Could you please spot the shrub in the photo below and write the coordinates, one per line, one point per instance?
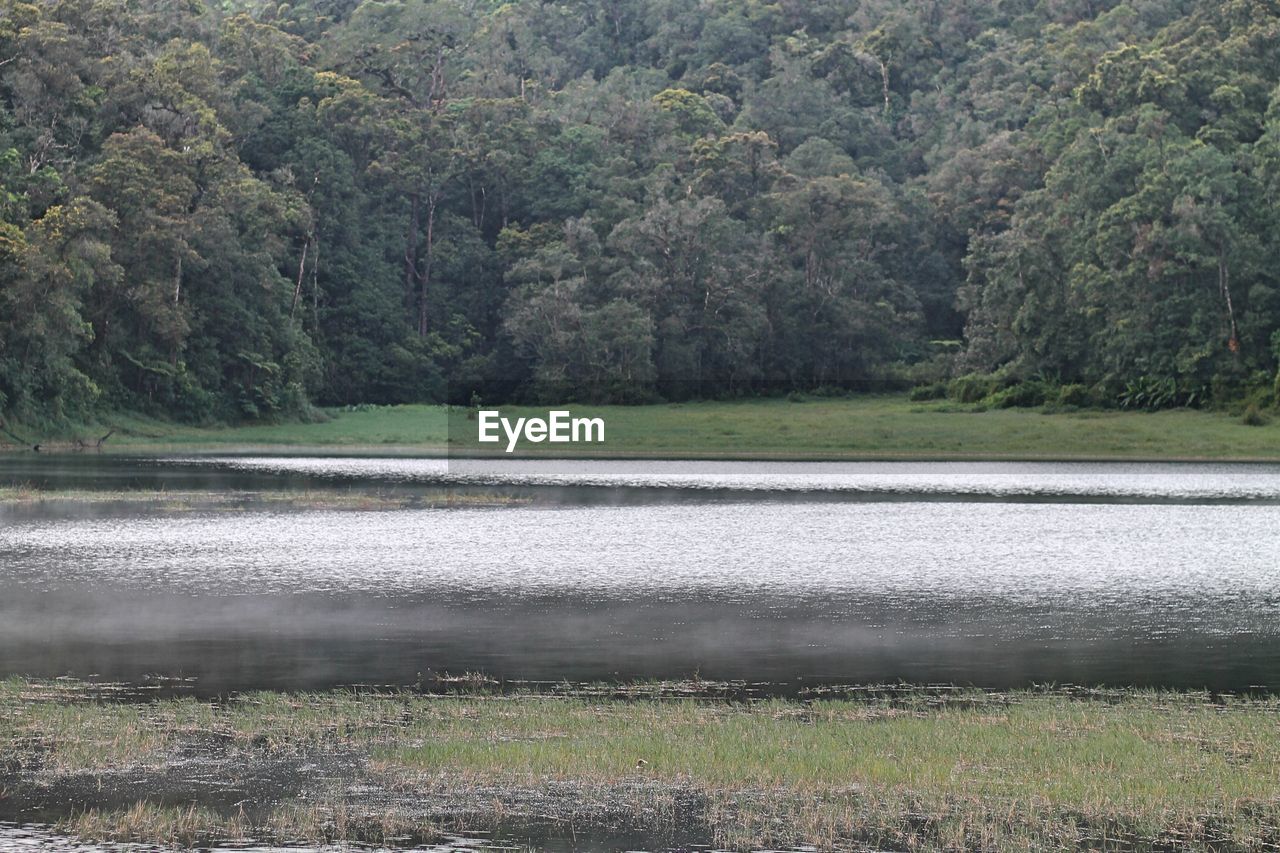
(1024, 395)
(830, 391)
(1076, 395)
(933, 391)
(1153, 392)
(973, 387)
(1259, 391)
(931, 371)
(1253, 416)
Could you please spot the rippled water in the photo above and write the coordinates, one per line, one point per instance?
(1007, 574)
(21, 839)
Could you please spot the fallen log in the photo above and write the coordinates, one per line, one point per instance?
(81, 444)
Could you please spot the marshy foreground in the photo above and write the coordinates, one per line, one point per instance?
(899, 768)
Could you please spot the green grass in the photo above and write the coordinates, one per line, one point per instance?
(406, 426)
(869, 427)
(973, 770)
(893, 427)
(1135, 756)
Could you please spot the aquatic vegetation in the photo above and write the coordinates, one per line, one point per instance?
(184, 826)
(906, 768)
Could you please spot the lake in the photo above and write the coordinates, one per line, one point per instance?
(792, 574)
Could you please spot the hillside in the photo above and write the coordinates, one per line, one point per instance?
(232, 211)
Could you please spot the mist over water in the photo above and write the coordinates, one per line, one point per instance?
(996, 575)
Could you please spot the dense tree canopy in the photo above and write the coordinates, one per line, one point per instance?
(235, 209)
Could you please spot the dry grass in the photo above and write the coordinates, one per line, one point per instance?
(143, 822)
(193, 825)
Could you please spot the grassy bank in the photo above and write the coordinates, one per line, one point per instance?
(915, 771)
(870, 427)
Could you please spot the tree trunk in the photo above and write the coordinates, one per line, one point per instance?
(302, 269)
(177, 295)
(315, 287)
(411, 250)
(432, 200)
(1224, 285)
(884, 83)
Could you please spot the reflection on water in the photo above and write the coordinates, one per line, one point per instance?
(574, 480)
(1165, 575)
(894, 479)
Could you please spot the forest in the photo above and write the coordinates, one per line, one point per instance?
(239, 210)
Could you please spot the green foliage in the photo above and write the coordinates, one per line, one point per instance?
(1024, 395)
(1152, 392)
(933, 391)
(1253, 416)
(1145, 261)
(1077, 395)
(974, 387)
(232, 212)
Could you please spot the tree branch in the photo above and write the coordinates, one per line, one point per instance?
(4, 427)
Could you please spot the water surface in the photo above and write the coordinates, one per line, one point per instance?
(996, 575)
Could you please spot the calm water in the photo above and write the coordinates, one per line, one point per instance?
(989, 574)
(586, 480)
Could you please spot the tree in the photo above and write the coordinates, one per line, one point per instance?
(840, 309)
(45, 275)
(695, 269)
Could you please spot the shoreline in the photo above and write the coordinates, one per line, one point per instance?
(911, 768)
(189, 500)
(429, 452)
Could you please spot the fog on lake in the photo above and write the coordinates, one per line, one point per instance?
(989, 574)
